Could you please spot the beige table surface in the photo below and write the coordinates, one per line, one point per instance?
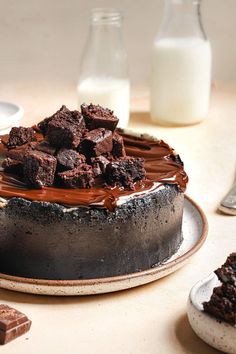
(150, 319)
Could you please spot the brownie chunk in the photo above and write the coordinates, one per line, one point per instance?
(222, 303)
(43, 125)
(227, 273)
(13, 324)
(80, 177)
(68, 159)
(97, 142)
(19, 152)
(125, 171)
(64, 129)
(13, 166)
(44, 146)
(118, 147)
(98, 117)
(39, 169)
(19, 136)
(99, 165)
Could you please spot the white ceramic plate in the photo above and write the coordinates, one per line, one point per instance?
(218, 334)
(10, 115)
(194, 232)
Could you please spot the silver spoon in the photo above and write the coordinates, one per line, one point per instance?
(228, 204)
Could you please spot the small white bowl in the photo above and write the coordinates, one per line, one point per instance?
(10, 116)
(214, 332)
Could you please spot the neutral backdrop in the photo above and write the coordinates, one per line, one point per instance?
(43, 39)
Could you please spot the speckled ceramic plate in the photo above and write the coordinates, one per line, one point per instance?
(218, 334)
(195, 229)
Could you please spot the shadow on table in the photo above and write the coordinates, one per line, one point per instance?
(189, 340)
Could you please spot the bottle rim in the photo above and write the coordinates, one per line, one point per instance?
(106, 16)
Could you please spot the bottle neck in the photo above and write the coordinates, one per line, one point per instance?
(182, 18)
(104, 54)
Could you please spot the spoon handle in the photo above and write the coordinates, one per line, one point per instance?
(228, 204)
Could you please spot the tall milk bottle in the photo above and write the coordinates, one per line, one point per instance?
(181, 66)
(104, 71)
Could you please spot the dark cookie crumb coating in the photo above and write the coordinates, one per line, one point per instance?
(85, 243)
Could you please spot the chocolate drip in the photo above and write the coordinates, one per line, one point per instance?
(160, 163)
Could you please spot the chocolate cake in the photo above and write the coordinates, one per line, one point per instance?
(81, 199)
(222, 303)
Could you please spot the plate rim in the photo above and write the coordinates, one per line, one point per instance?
(99, 281)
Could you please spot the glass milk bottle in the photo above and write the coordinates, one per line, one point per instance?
(104, 71)
(181, 66)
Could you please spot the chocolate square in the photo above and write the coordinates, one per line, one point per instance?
(96, 116)
(39, 169)
(97, 142)
(13, 324)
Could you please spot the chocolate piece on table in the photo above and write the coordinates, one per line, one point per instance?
(118, 147)
(99, 165)
(39, 168)
(44, 146)
(19, 136)
(125, 171)
(68, 159)
(98, 117)
(66, 130)
(12, 324)
(80, 177)
(13, 166)
(97, 142)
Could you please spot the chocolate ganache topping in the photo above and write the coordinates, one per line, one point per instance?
(81, 159)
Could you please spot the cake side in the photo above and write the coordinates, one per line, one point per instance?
(46, 240)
